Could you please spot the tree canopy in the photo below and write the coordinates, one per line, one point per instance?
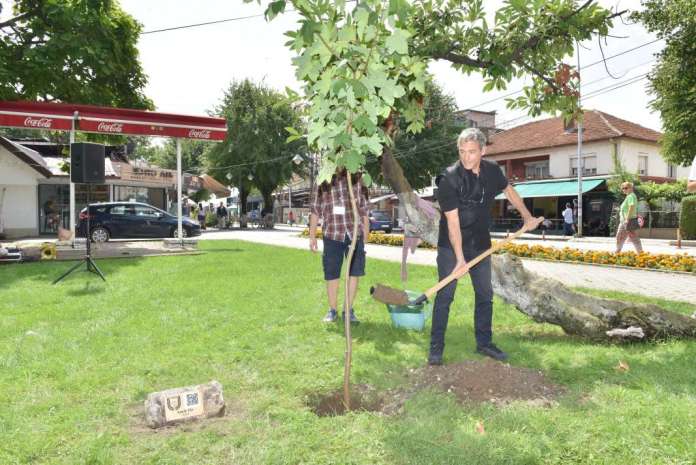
(673, 80)
(257, 118)
(78, 51)
(364, 63)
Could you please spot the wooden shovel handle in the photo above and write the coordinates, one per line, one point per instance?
(456, 274)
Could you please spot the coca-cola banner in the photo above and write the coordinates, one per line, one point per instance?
(131, 128)
(106, 120)
(35, 122)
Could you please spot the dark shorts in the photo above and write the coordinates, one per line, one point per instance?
(336, 251)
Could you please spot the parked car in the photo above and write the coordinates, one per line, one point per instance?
(132, 220)
(380, 221)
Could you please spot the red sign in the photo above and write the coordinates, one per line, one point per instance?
(105, 120)
(35, 122)
(133, 128)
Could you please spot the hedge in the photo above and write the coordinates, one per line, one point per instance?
(687, 218)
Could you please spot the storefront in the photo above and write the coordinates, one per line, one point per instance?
(548, 198)
(46, 204)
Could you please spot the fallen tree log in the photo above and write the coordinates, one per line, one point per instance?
(543, 299)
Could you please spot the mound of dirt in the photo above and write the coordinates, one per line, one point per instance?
(488, 381)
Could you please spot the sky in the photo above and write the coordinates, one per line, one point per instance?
(189, 69)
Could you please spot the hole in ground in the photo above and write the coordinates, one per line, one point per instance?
(363, 398)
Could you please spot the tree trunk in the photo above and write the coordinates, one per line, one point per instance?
(243, 196)
(267, 202)
(546, 300)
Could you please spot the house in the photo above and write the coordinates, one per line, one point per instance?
(21, 170)
(540, 158)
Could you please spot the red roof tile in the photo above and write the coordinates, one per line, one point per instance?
(551, 133)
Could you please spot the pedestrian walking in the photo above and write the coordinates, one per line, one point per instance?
(568, 221)
(221, 216)
(201, 215)
(628, 219)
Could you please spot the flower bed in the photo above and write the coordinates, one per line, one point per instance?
(676, 262)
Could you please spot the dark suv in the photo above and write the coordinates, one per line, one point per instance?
(132, 220)
(380, 221)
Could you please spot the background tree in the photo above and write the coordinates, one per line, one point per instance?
(193, 155)
(673, 80)
(78, 51)
(425, 154)
(257, 118)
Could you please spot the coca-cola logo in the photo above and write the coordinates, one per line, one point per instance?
(110, 127)
(45, 123)
(199, 133)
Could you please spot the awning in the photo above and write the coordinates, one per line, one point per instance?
(552, 188)
(107, 120)
(212, 185)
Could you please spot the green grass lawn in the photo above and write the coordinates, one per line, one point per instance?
(78, 359)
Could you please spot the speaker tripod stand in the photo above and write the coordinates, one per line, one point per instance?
(87, 259)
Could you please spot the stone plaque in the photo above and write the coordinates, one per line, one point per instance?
(178, 405)
(184, 405)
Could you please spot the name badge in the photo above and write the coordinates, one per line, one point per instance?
(339, 210)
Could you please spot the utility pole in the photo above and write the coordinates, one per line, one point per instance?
(580, 163)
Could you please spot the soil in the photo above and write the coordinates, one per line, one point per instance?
(489, 381)
(362, 398)
(470, 381)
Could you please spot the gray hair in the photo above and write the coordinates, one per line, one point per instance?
(473, 134)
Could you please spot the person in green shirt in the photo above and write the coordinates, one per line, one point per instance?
(628, 219)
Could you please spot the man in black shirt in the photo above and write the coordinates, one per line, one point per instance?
(466, 192)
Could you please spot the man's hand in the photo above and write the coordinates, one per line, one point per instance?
(313, 244)
(531, 223)
(461, 263)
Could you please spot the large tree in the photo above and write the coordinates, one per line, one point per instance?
(257, 118)
(673, 80)
(77, 51)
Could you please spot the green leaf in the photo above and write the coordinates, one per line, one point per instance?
(397, 42)
(391, 92)
(352, 160)
(359, 88)
(364, 124)
(274, 8)
(327, 170)
(367, 179)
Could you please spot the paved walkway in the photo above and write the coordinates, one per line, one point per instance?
(673, 286)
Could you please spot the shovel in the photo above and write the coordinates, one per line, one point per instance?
(389, 295)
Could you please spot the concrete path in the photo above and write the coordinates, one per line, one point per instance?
(672, 286)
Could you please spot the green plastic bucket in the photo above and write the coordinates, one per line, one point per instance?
(410, 316)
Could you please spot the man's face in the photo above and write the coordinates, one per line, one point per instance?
(470, 154)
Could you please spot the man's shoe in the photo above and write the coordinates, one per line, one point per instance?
(492, 351)
(435, 355)
(331, 316)
(353, 319)
(435, 358)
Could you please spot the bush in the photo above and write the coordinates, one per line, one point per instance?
(211, 219)
(687, 219)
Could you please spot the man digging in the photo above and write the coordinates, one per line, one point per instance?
(466, 192)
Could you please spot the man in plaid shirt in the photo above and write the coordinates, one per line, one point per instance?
(331, 204)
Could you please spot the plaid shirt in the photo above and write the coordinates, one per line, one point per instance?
(336, 227)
